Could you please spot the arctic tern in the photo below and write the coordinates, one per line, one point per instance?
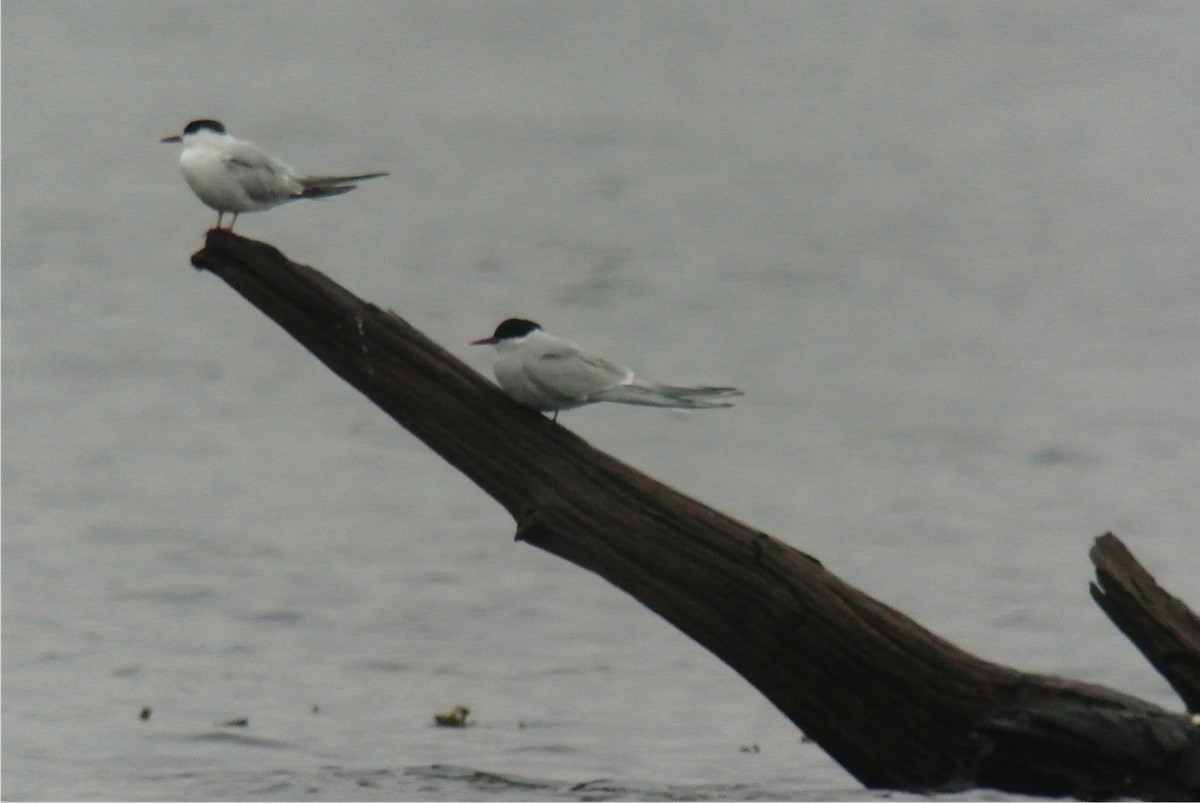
(235, 176)
(539, 370)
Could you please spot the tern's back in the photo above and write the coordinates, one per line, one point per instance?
(554, 374)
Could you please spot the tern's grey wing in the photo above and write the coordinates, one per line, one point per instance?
(264, 179)
(571, 374)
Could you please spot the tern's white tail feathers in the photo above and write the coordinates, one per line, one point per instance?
(652, 394)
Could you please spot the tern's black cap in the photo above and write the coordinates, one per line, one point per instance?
(204, 125)
(514, 328)
(511, 329)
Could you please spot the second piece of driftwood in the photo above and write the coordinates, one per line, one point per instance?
(894, 704)
(1162, 627)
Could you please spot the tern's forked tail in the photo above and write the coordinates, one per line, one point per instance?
(329, 186)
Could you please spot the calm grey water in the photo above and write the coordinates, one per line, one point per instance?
(948, 250)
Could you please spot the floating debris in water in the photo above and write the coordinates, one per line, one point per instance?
(145, 713)
(750, 748)
(316, 709)
(456, 717)
(240, 722)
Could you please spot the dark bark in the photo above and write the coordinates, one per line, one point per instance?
(1161, 626)
(894, 704)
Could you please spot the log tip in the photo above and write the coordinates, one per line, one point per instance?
(1108, 549)
(222, 246)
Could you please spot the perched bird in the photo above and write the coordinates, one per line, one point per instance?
(233, 175)
(539, 370)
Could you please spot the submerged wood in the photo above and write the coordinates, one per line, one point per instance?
(894, 704)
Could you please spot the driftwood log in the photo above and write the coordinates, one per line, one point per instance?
(894, 704)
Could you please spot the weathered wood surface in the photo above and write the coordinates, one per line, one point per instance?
(1162, 627)
(894, 704)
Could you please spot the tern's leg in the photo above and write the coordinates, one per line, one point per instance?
(220, 215)
(235, 214)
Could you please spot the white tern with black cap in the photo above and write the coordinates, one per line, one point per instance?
(547, 373)
(233, 175)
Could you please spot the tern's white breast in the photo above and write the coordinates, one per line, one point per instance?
(234, 176)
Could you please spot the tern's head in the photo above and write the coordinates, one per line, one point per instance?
(512, 331)
(201, 127)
